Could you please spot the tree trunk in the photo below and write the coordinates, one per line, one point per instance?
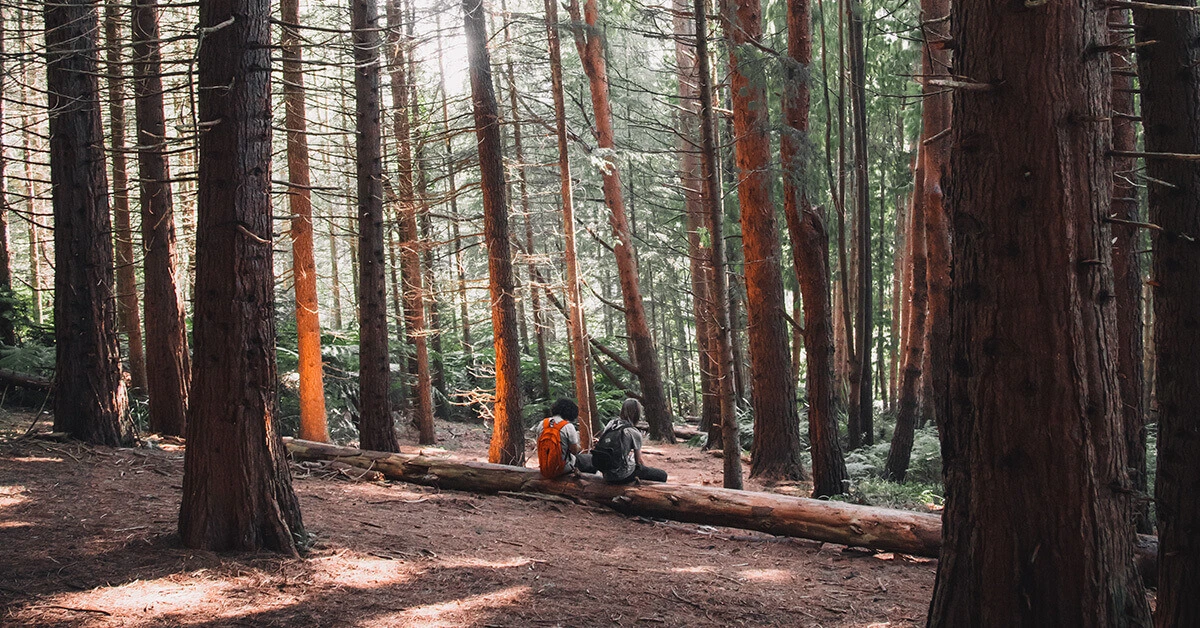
(584, 393)
(508, 432)
(810, 253)
(91, 404)
(128, 313)
(591, 53)
(1036, 526)
(335, 273)
(411, 276)
(304, 268)
(237, 490)
(1169, 74)
(376, 429)
(8, 333)
(862, 404)
(776, 449)
(169, 368)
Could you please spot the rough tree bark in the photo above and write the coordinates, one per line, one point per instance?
(810, 252)
(776, 449)
(8, 332)
(375, 428)
(1036, 526)
(508, 433)
(237, 490)
(862, 396)
(90, 403)
(168, 377)
(304, 267)
(128, 313)
(589, 40)
(1169, 74)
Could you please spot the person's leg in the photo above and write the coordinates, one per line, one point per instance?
(651, 474)
(583, 462)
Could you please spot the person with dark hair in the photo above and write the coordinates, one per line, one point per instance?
(558, 445)
(618, 452)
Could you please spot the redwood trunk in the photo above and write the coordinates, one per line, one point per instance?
(508, 433)
(169, 368)
(591, 53)
(810, 253)
(304, 267)
(862, 408)
(90, 403)
(1169, 74)
(776, 449)
(237, 490)
(1036, 526)
(8, 333)
(375, 429)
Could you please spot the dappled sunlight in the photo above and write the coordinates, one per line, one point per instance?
(12, 525)
(351, 570)
(694, 569)
(458, 612)
(36, 459)
(765, 575)
(467, 562)
(179, 597)
(12, 495)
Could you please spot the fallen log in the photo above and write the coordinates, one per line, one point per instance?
(883, 529)
(24, 380)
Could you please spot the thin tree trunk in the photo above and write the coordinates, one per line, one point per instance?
(91, 403)
(8, 332)
(1036, 525)
(810, 258)
(237, 490)
(862, 392)
(304, 268)
(776, 449)
(590, 43)
(577, 331)
(376, 428)
(1169, 74)
(128, 314)
(508, 433)
(335, 274)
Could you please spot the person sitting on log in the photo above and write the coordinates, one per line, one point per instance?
(558, 446)
(618, 452)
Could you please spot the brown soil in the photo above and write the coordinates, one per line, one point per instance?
(88, 539)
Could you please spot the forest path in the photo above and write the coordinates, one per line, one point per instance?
(88, 540)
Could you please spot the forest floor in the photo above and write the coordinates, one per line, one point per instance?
(87, 538)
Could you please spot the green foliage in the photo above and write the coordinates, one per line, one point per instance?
(31, 357)
(874, 491)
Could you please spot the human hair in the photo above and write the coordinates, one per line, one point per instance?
(631, 411)
(566, 409)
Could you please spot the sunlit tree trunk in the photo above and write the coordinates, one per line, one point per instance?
(376, 428)
(912, 359)
(508, 433)
(237, 490)
(776, 450)
(313, 424)
(128, 314)
(1036, 529)
(810, 252)
(90, 402)
(590, 43)
(1169, 73)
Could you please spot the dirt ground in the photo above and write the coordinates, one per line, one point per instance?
(87, 538)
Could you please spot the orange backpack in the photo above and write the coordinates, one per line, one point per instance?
(550, 449)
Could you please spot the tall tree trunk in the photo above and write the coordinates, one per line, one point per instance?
(169, 368)
(412, 277)
(810, 258)
(376, 429)
(776, 449)
(862, 397)
(1036, 526)
(1169, 74)
(304, 268)
(128, 315)
(237, 490)
(8, 332)
(508, 433)
(91, 403)
(590, 43)
(577, 331)
(335, 273)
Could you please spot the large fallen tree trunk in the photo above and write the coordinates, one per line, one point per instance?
(883, 529)
(24, 380)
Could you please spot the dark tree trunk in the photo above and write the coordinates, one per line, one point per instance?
(8, 333)
(375, 429)
(913, 356)
(90, 403)
(128, 313)
(862, 392)
(169, 368)
(810, 253)
(304, 267)
(1169, 73)
(508, 433)
(776, 450)
(237, 490)
(1036, 526)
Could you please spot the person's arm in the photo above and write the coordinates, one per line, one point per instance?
(637, 447)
